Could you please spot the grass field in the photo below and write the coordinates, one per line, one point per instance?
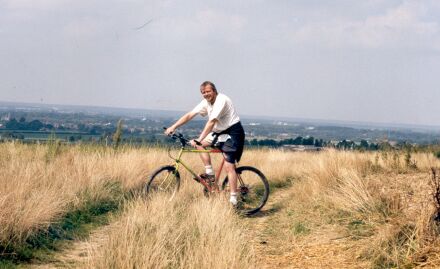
(81, 206)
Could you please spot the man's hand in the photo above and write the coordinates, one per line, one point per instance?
(169, 130)
(195, 143)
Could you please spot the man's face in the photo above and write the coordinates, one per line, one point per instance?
(208, 93)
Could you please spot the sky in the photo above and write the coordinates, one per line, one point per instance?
(366, 60)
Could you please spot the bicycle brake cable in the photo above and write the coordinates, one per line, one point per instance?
(169, 154)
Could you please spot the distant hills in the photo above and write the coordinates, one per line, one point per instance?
(114, 111)
(170, 114)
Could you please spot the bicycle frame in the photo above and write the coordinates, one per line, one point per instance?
(178, 162)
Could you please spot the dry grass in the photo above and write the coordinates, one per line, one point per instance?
(188, 232)
(378, 201)
(381, 202)
(373, 198)
(37, 187)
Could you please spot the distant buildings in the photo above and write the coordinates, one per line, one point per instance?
(6, 117)
(301, 148)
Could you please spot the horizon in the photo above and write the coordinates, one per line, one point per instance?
(334, 122)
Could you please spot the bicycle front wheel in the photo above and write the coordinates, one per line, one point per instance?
(253, 189)
(165, 179)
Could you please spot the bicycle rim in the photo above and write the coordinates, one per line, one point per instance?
(164, 180)
(253, 189)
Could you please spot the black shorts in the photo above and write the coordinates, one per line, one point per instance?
(233, 147)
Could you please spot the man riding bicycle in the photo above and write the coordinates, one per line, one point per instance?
(223, 130)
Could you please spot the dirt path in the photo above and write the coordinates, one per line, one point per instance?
(277, 246)
(76, 254)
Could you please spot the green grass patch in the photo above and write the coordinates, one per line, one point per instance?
(277, 206)
(5, 264)
(76, 224)
(300, 228)
(291, 213)
(359, 229)
(281, 184)
(259, 190)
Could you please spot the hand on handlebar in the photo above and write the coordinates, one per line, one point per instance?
(195, 143)
(169, 130)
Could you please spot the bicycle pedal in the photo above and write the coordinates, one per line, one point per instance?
(209, 183)
(214, 188)
(207, 178)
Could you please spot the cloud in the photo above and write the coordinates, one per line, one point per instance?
(84, 28)
(205, 23)
(36, 4)
(406, 25)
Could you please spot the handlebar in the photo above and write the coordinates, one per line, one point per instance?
(184, 141)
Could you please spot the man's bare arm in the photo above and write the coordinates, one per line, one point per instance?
(184, 119)
(208, 128)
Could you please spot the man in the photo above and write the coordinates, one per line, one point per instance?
(223, 126)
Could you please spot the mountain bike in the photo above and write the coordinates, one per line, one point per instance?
(253, 187)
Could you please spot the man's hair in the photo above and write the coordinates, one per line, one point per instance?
(206, 83)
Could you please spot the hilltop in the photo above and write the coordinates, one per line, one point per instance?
(82, 207)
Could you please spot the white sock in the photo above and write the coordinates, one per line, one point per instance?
(233, 198)
(209, 170)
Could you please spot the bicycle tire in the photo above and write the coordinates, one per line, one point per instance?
(165, 179)
(253, 189)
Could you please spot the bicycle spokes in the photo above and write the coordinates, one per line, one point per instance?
(165, 183)
(165, 180)
(252, 188)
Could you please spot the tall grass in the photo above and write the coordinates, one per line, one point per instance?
(389, 197)
(189, 231)
(37, 188)
(39, 184)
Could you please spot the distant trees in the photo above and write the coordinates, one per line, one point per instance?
(21, 124)
(310, 141)
(108, 130)
(345, 144)
(319, 143)
(35, 125)
(13, 124)
(364, 144)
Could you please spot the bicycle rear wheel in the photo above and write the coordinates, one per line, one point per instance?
(253, 189)
(165, 179)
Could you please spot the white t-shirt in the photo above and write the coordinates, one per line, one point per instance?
(223, 110)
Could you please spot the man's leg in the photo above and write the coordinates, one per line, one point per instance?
(206, 159)
(232, 178)
(207, 142)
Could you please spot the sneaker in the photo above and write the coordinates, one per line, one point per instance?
(208, 178)
(233, 200)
